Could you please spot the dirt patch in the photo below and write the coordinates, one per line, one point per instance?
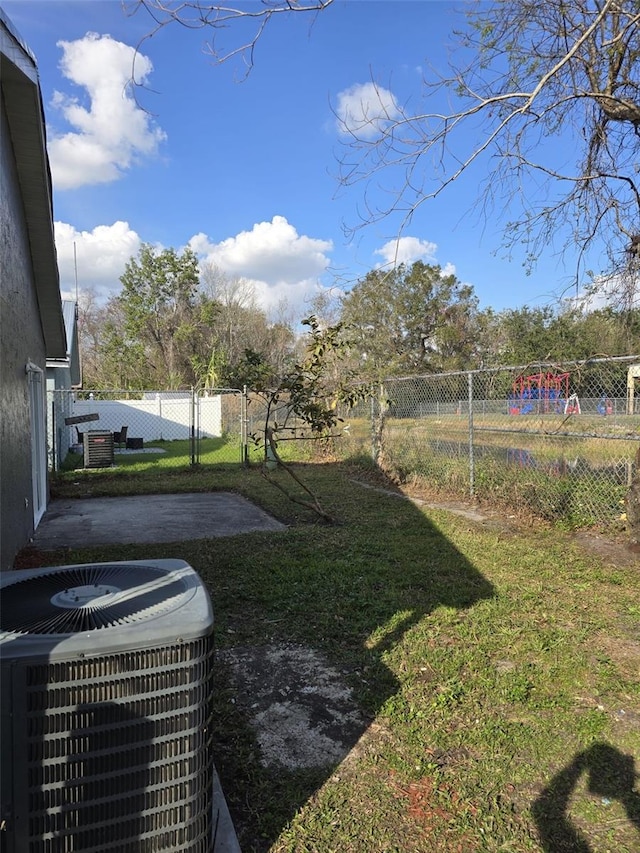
(300, 707)
(618, 552)
(624, 652)
(484, 517)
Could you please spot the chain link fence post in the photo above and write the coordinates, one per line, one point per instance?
(192, 427)
(471, 454)
(244, 426)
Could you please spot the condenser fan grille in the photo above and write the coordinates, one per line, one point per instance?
(86, 598)
(127, 770)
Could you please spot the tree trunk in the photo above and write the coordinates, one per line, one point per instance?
(633, 507)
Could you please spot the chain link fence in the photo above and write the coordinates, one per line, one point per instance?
(555, 441)
(225, 425)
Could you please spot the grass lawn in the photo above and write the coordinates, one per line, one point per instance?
(496, 670)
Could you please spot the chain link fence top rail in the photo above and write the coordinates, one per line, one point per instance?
(556, 441)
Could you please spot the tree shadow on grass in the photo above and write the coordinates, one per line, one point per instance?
(347, 596)
(610, 774)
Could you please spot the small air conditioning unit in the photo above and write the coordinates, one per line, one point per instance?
(105, 694)
(98, 448)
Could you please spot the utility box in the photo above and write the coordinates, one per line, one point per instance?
(98, 448)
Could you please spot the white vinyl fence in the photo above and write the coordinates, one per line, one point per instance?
(148, 416)
(155, 419)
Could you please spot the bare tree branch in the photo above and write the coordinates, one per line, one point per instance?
(563, 69)
(222, 18)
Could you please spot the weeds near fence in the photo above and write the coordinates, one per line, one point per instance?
(465, 436)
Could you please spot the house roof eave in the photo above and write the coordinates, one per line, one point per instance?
(25, 113)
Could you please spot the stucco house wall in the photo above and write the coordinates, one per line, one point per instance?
(31, 327)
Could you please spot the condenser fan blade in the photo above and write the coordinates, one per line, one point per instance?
(29, 606)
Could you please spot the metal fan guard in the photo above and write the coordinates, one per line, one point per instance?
(42, 604)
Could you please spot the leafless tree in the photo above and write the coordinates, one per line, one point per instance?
(241, 323)
(238, 313)
(526, 75)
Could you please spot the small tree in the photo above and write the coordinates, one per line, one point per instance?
(301, 404)
(158, 306)
(411, 319)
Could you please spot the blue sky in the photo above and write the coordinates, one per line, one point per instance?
(245, 168)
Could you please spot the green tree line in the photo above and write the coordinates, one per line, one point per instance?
(176, 324)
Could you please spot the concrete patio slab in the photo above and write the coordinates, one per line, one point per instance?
(83, 523)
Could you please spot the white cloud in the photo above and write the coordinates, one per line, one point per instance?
(282, 264)
(101, 255)
(112, 132)
(615, 291)
(365, 110)
(406, 250)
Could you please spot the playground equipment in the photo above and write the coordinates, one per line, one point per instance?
(572, 406)
(541, 393)
(632, 374)
(605, 406)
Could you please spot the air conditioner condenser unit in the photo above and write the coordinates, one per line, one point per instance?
(105, 695)
(98, 448)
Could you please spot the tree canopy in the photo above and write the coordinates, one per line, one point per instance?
(408, 321)
(174, 326)
(411, 319)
